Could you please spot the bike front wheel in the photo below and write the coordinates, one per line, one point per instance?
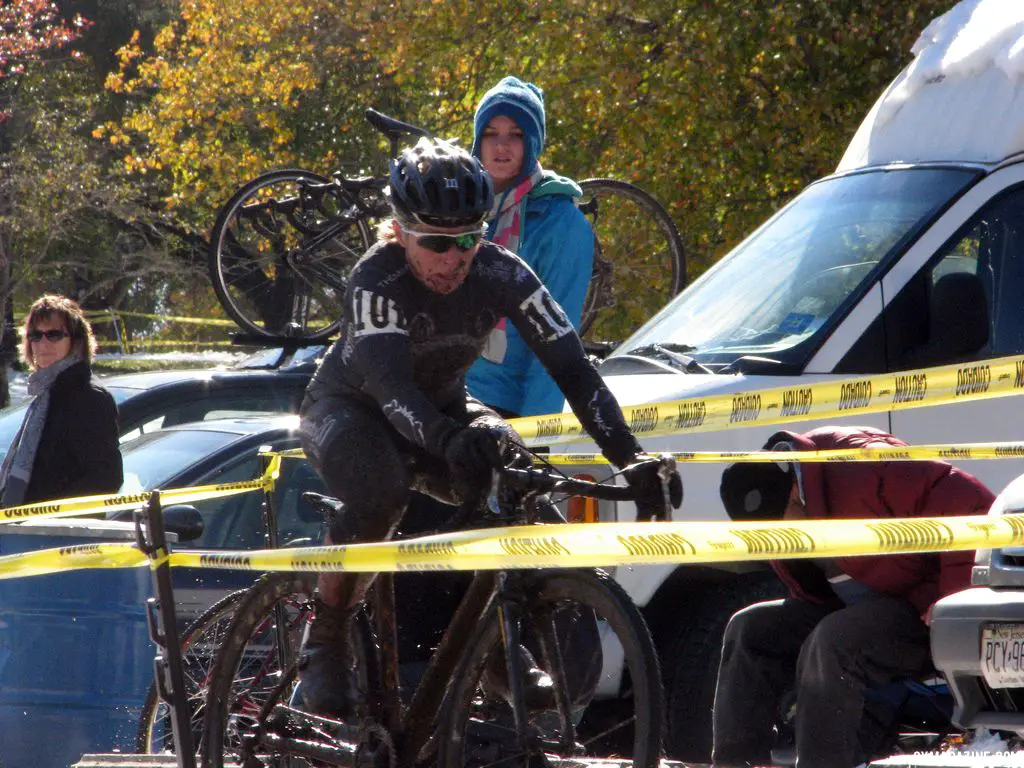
(587, 634)
(639, 262)
(199, 646)
(256, 669)
(280, 253)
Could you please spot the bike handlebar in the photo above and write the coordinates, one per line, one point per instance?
(544, 481)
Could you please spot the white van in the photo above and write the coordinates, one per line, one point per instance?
(910, 255)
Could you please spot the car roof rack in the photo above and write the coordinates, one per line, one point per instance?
(288, 346)
(290, 343)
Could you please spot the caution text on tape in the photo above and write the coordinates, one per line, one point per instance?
(835, 398)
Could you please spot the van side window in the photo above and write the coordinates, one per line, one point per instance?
(967, 303)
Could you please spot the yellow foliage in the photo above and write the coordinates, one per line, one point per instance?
(721, 110)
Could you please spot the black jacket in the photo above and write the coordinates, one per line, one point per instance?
(78, 452)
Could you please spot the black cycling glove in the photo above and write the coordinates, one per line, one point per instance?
(655, 480)
(472, 454)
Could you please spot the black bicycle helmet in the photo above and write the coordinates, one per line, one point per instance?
(440, 185)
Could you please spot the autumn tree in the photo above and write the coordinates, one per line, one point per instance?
(723, 110)
(76, 220)
(29, 30)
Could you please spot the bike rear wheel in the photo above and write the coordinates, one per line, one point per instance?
(280, 253)
(639, 263)
(199, 646)
(249, 667)
(480, 729)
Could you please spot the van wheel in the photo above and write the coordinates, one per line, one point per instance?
(690, 653)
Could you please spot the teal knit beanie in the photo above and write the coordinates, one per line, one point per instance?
(523, 103)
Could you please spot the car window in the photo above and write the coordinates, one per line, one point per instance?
(232, 522)
(298, 524)
(967, 303)
(778, 293)
(211, 405)
(10, 423)
(236, 522)
(150, 460)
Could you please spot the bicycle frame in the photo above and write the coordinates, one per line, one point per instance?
(411, 729)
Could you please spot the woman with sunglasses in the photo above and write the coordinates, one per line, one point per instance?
(67, 445)
(535, 216)
(388, 404)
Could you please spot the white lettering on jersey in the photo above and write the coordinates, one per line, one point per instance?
(547, 318)
(402, 416)
(375, 314)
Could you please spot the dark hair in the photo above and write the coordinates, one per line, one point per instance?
(756, 491)
(51, 305)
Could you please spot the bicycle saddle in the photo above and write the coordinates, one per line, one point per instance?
(392, 127)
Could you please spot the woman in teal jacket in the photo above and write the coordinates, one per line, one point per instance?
(535, 216)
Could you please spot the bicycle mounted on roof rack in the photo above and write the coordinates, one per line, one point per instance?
(283, 245)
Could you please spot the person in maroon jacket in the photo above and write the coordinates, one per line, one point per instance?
(849, 623)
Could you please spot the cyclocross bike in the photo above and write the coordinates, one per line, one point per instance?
(283, 245)
(455, 716)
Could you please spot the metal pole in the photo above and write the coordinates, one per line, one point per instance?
(163, 628)
(272, 539)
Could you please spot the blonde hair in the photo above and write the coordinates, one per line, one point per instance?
(83, 342)
(386, 231)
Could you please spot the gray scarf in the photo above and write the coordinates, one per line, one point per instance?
(16, 470)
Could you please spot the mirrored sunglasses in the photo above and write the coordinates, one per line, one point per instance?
(440, 242)
(52, 335)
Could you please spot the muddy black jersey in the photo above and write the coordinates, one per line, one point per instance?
(406, 349)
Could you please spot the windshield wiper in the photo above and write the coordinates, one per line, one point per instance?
(673, 353)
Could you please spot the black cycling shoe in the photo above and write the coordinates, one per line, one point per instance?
(329, 684)
(538, 687)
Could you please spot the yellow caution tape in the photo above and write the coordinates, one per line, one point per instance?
(572, 546)
(116, 502)
(159, 558)
(102, 316)
(845, 397)
(608, 544)
(137, 343)
(71, 558)
(291, 453)
(941, 452)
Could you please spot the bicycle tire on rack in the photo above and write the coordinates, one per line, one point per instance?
(639, 261)
(472, 734)
(255, 235)
(199, 645)
(233, 692)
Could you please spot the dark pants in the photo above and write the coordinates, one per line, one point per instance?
(367, 464)
(831, 657)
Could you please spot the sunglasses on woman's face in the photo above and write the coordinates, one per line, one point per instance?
(52, 336)
(440, 243)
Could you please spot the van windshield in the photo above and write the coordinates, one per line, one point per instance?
(778, 293)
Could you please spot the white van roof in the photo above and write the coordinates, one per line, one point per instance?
(962, 97)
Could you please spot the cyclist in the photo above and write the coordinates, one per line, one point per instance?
(388, 409)
(534, 215)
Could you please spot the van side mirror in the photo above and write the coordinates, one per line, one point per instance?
(184, 520)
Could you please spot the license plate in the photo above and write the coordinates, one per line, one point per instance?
(1002, 655)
